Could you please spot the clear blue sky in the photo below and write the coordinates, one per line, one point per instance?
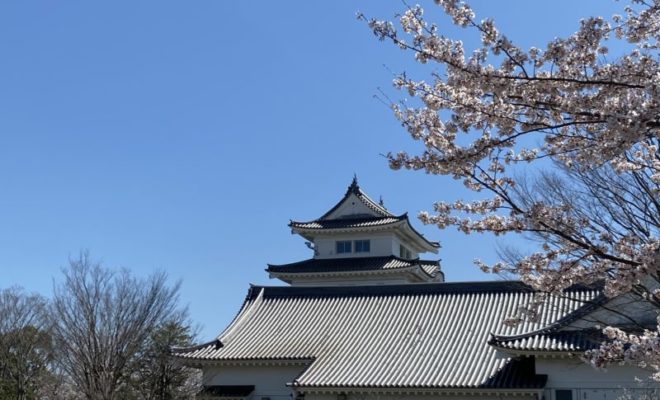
(183, 136)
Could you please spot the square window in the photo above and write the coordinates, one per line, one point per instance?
(362, 246)
(344, 246)
(563, 394)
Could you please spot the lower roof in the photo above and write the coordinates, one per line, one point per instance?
(574, 341)
(395, 336)
(354, 264)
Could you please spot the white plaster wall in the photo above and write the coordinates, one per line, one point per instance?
(396, 249)
(353, 280)
(381, 245)
(589, 383)
(268, 381)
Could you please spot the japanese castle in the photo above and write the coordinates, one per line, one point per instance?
(369, 316)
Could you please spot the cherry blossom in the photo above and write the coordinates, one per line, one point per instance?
(596, 116)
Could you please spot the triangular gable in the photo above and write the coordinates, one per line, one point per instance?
(350, 207)
(356, 203)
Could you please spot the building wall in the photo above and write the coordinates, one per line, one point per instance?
(394, 279)
(584, 382)
(268, 381)
(588, 383)
(382, 245)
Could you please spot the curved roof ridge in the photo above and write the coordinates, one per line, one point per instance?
(343, 265)
(356, 219)
(252, 300)
(354, 259)
(397, 289)
(217, 344)
(431, 243)
(571, 316)
(366, 223)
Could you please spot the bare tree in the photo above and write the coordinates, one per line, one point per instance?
(103, 318)
(25, 343)
(597, 206)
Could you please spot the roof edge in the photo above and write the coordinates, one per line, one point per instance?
(179, 350)
(399, 289)
(294, 224)
(339, 259)
(584, 309)
(416, 389)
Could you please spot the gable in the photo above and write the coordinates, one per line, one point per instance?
(352, 207)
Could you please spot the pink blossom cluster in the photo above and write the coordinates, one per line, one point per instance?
(588, 111)
(641, 350)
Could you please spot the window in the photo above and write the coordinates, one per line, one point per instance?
(563, 394)
(344, 246)
(362, 246)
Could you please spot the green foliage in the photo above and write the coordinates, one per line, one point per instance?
(24, 358)
(159, 376)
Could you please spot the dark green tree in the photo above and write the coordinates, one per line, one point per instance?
(159, 376)
(26, 350)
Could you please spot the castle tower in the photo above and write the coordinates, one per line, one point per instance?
(359, 242)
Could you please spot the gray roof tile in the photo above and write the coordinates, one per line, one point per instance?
(345, 223)
(564, 341)
(406, 336)
(315, 265)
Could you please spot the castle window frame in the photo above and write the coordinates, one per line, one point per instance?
(344, 246)
(363, 246)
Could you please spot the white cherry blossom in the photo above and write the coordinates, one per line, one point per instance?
(595, 115)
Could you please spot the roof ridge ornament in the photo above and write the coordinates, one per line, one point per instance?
(354, 187)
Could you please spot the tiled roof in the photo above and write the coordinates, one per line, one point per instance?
(361, 222)
(564, 341)
(405, 336)
(344, 223)
(555, 336)
(431, 267)
(377, 218)
(315, 265)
